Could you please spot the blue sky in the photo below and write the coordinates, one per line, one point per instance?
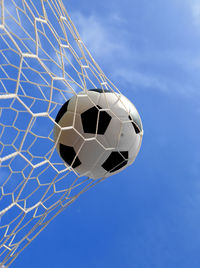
(148, 215)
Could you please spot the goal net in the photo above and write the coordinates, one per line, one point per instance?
(43, 63)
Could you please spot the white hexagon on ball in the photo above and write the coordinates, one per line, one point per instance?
(98, 133)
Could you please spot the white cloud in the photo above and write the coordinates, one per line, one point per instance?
(109, 40)
(195, 7)
(99, 34)
(138, 79)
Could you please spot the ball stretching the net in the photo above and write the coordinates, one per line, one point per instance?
(98, 133)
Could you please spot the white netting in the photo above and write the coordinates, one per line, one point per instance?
(43, 64)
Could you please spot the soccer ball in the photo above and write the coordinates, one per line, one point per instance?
(98, 133)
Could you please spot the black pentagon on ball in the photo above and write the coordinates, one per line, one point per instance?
(69, 156)
(115, 161)
(95, 121)
(137, 130)
(62, 111)
(100, 90)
